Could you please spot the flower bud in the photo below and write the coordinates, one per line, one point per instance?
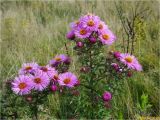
(106, 96)
(92, 40)
(80, 44)
(70, 35)
(54, 88)
(67, 61)
(129, 74)
(117, 54)
(115, 66)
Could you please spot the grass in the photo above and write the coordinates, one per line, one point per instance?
(35, 31)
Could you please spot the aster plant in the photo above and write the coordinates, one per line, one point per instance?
(34, 82)
(98, 73)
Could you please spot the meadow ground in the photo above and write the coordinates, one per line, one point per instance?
(35, 31)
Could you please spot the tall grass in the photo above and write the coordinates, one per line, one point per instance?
(35, 31)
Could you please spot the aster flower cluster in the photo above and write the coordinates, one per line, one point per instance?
(124, 63)
(33, 77)
(91, 33)
(91, 28)
(118, 65)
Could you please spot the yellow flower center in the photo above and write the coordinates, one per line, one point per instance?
(83, 32)
(100, 26)
(90, 23)
(128, 59)
(28, 68)
(22, 85)
(37, 80)
(67, 80)
(58, 59)
(44, 69)
(105, 37)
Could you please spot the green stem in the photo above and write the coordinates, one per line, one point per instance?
(91, 84)
(34, 107)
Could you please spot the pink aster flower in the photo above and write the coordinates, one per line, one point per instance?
(22, 85)
(101, 27)
(40, 80)
(130, 61)
(107, 37)
(28, 68)
(107, 96)
(47, 69)
(58, 59)
(82, 32)
(67, 79)
(90, 22)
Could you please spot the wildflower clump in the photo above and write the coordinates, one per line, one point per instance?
(34, 82)
(98, 72)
